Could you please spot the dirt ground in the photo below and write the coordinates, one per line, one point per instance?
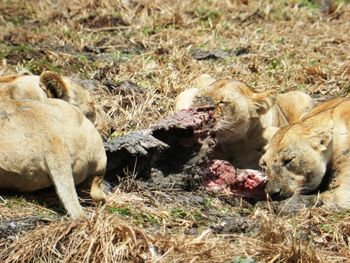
(136, 56)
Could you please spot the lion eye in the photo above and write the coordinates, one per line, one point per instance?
(287, 161)
(263, 165)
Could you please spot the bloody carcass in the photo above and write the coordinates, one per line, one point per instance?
(181, 144)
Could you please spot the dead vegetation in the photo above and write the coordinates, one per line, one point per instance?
(137, 55)
(110, 234)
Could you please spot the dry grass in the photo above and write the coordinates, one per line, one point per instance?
(311, 236)
(271, 44)
(283, 45)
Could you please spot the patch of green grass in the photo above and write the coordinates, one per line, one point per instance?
(312, 4)
(273, 64)
(302, 3)
(342, 1)
(25, 11)
(312, 62)
(124, 211)
(116, 134)
(178, 213)
(197, 216)
(15, 201)
(22, 48)
(116, 55)
(301, 87)
(141, 219)
(82, 58)
(245, 211)
(279, 40)
(326, 228)
(8, 50)
(149, 31)
(341, 214)
(145, 83)
(239, 259)
(308, 4)
(71, 35)
(225, 209)
(260, 30)
(4, 50)
(206, 16)
(207, 203)
(36, 66)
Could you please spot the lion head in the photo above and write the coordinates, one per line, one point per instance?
(238, 107)
(56, 86)
(296, 159)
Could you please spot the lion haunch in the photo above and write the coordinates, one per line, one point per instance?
(50, 142)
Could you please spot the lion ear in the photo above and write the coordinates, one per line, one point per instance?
(263, 101)
(203, 81)
(321, 141)
(53, 85)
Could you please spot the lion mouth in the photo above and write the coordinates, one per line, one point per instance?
(277, 190)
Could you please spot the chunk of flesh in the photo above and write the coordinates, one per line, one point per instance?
(220, 176)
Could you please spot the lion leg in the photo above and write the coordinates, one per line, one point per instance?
(97, 192)
(337, 198)
(61, 174)
(185, 99)
(339, 194)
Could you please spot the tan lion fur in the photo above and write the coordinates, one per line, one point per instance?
(50, 142)
(300, 155)
(53, 85)
(246, 119)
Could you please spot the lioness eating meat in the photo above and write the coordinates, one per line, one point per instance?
(246, 119)
(301, 154)
(52, 85)
(50, 142)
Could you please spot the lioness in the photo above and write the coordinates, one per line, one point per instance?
(46, 143)
(300, 155)
(246, 119)
(52, 85)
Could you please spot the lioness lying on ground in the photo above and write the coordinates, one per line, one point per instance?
(246, 119)
(300, 155)
(50, 142)
(52, 85)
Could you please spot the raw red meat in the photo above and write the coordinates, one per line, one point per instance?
(221, 176)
